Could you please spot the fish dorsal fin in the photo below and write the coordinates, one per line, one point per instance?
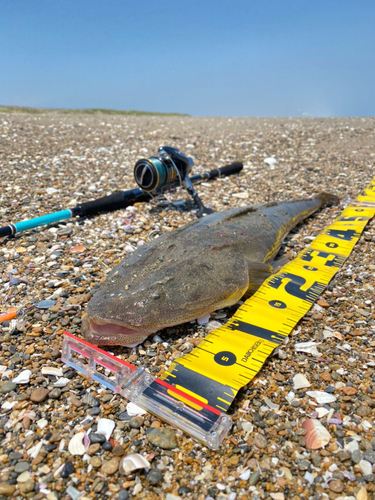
(220, 217)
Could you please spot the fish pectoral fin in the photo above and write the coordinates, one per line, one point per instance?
(280, 263)
(258, 273)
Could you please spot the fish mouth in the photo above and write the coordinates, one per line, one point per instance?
(101, 332)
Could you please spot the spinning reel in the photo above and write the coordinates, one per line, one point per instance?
(169, 169)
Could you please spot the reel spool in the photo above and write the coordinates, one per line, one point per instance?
(169, 169)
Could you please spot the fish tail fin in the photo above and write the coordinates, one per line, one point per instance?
(329, 199)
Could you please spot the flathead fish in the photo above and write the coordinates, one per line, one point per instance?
(206, 265)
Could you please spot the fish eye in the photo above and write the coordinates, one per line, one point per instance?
(155, 296)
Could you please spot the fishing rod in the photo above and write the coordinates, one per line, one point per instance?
(154, 175)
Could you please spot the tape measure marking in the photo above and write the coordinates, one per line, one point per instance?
(229, 358)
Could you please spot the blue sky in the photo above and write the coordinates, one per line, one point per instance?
(205, 58)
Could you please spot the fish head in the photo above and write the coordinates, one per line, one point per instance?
(143, 296)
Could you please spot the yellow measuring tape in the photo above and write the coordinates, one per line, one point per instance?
(230, 356)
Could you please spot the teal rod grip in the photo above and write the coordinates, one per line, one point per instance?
(43, 220)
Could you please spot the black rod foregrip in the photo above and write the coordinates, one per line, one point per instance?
(5, 231)
(233, 168)
(114, 201)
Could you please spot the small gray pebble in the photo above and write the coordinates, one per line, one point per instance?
(7, 387)
(123, 495)
(357, 456)
(254, 478)
(21, 467)
(55, 393)
(154, 476)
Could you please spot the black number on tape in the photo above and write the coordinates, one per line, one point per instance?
(277, 303)
(294, 285)
(225, 358)
(347, 235)
(310, 268)
(331, 259)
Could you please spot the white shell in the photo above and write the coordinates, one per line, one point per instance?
(42, 423)
(316, 435)
(366, 467)
(8, 405)
(322, 397)
(247, 426)
(134, 410)
(133, 462)
(212, 325)
(245, 475)
(61, 382)
(137, 488)
(271, 405)
(51, 370)
(322, 412)
(300, 381)
(105, 426)
(308, 347)
(203, 320)
(78, 444)
(23, 377)
(270, 161)
(34, 451)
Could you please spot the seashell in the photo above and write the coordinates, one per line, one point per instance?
(349, 475)
(309, 477)
(247, 427)
(271, 162)
(361, 495)
(321, 412)
(245, 475)
(8, 405)
(133, 462)
(79, 444)
(134, 410)
(290, 396)
(300, 381)
(316, 435)
(308, 347)
(271, 405)
(26, 413)
(105, 426)
(212, 325)
(366, 425)
(203, 320)
(23, 377)
(34, 451)
(321, 397)
(51, 370)
(335, 421)
(61, 382)
(366, 467)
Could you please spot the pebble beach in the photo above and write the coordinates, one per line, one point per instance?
(64, 436)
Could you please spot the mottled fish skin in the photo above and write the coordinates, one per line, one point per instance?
(206, 265)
